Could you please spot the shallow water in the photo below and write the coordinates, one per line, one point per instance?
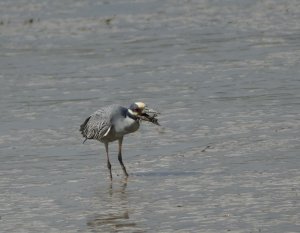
(224, 75)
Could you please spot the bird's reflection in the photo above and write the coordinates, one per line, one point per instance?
(115, 216)
(120, 190)
(112, 220)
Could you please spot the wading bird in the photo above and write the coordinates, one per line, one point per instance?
(111, 123)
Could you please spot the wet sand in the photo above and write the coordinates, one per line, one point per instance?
(225, 76)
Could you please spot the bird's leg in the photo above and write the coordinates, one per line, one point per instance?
(108, 162)
(120, 157)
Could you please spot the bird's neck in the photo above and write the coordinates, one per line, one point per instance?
(131, 115)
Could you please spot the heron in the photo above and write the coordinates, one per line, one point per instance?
(113, 122)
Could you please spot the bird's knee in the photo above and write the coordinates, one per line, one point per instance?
(109, 165)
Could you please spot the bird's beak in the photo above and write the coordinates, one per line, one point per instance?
(150, 115)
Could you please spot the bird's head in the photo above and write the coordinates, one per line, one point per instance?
(141, 111)
(137, 108)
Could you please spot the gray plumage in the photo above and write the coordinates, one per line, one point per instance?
(112, 123)
(108, 124)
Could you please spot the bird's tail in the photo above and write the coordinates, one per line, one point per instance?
(83, 127)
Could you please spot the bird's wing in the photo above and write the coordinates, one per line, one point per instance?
(98, 124)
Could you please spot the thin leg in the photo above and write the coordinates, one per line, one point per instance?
(120, 157)
(108, 162)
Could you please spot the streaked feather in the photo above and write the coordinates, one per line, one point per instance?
(97, 125)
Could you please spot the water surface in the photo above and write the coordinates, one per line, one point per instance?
(224, 74)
